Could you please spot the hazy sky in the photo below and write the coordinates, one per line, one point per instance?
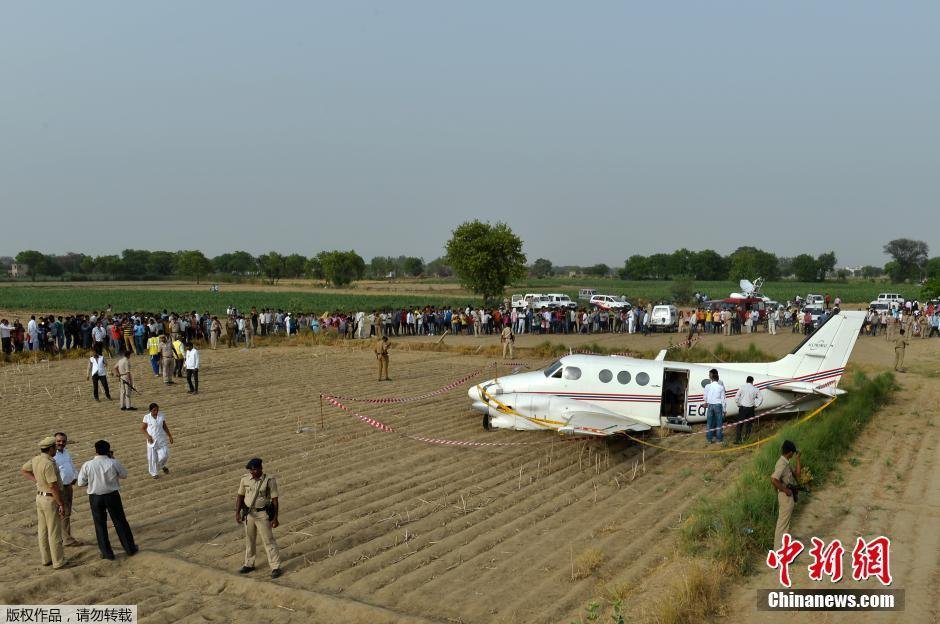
(595, 130)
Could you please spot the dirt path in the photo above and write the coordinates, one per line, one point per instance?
(376, 526)
(887, 486)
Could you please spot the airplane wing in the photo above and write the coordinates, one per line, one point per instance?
(593, 421)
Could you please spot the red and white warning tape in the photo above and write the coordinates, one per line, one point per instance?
(427, 395)
(381, 426)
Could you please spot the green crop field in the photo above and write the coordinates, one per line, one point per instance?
(153, 300)
(79, 298)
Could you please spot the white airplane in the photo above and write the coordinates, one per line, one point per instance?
(603, 395)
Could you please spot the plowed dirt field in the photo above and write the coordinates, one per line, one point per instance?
(379, 526)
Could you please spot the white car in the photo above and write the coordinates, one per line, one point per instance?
(815, 311)
(609, 302)
(665, 318)
(815, 300)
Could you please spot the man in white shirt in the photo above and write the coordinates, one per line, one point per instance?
(33, 330)
(63, 460)
(98, 373)
(102, 477)
(748, 399)
(715, 408)
(192, 365)
(5, 330)
(159, 440)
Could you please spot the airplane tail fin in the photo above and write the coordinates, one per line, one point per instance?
(821, 358)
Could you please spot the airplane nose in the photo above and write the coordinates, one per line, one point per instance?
(474, 394)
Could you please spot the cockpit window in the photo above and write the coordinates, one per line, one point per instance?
(572, 372)
(551, 368)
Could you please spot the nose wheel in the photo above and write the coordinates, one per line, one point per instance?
(486, 422)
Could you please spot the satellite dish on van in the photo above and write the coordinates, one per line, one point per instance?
(746, 287)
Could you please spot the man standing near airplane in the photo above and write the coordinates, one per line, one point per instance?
(715, 412)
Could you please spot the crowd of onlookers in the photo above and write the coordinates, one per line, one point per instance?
(131, 330)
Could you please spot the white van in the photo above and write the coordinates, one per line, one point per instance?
(665, 318)
(557, 300)
(533, 300)
(890, 297)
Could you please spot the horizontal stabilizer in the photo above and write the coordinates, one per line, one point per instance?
(805, 387)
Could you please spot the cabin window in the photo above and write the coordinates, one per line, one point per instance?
(572, 372)
(623, 377)
(552, 368)
(605, 375)
(642, 379)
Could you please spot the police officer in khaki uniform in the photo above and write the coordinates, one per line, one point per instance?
(230, 331)
(381, 354)
(900, 346)
(784, 476)
(508, 340)
(168, 358)
(122, 370)
(50, 508)
(256, 505)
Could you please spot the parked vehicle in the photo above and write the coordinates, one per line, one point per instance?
(890, 297)
(665, 318)
(529, 300)
(815, 311)
(585, 294)
(609, 302)
(557, 300)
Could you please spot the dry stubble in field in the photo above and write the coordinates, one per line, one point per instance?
(375, 526)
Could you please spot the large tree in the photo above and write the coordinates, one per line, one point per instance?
(932, 268)
(709, 265)
(486, 258)
(272, 265)
(294, 265)
(636, 267)
(805, 268)
(341, 267)
(825, 264)
(33, 260)
(910, 258)
(541, 268)
(193, 263)
(750, 263)
(413, 266)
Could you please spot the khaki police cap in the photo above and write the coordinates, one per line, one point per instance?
(46, 442)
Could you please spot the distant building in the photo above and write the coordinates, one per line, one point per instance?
(855, 271)
(18, 269)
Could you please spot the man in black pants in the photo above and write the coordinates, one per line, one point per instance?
(98, 372)
(101, 475)
(748, 399)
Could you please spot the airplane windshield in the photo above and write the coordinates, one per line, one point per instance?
(551, 368)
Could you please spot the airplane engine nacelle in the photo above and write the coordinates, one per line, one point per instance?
(499, 420)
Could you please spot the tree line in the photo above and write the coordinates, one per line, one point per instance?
(337, 267)
(470, 256)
